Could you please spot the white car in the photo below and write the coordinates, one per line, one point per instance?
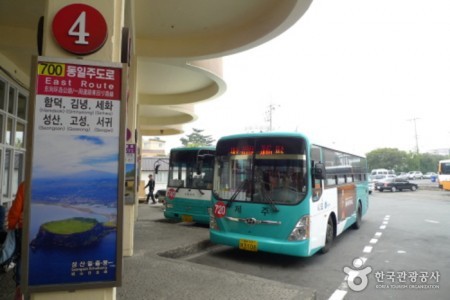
(415, 175)
(402, 175)
(371, 187)
(371, 184)
(429, 175)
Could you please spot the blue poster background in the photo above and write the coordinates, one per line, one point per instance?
(87, 193)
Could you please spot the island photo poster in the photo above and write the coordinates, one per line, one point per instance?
(73, 210)
(73, 219)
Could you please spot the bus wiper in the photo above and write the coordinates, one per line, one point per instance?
(216, 195)
(236, 193)
(266, 196)
(269, 199)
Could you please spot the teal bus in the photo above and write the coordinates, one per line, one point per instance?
(189, 186)
(279, 193)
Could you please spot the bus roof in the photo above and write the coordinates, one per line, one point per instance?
(264, 134)
(283, 134)
(212, 148)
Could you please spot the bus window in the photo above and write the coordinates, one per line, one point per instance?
(316, 183)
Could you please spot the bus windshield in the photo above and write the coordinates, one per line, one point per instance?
(261, 170)
(445, 167)
(191, 169)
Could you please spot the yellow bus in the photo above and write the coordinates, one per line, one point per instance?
(444, 174)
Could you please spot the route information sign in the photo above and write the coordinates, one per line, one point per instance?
(80, 99)
(73, 213)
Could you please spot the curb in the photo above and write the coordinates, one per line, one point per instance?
(187, 250)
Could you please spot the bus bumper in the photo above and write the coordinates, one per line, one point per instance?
(293, 248)
(183, 217)
(446, 185)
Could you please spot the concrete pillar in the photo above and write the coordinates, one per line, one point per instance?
(131, 211)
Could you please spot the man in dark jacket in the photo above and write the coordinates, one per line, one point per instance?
(151, 188)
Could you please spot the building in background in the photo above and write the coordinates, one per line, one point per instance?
(153, 146)
(440, 151)
(148, 166)
(153, 157)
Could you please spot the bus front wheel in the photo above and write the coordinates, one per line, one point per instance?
(329, 237)
(358, 221)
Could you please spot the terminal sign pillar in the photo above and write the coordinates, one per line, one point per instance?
(89, 31)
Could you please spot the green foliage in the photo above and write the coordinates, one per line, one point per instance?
(70, 226)
(387, 158)
(402, 161)
(428, 162)
(197, 139)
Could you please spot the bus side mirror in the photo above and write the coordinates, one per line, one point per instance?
(157, 168)
(319, 171)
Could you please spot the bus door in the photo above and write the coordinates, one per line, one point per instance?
(319, 206)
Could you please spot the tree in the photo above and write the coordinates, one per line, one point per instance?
(429, 162)
(401, 161)
(388, 158)
(197, 139)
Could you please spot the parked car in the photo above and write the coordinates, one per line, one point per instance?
(415, 175)
(429, 175)
(371, 184)
(402, 175)
(378, 178)
(395, 184)
(375, 172)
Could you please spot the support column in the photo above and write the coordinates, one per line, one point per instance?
(131, 210)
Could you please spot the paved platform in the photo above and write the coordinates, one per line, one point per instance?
(154, 272)
(7, 286)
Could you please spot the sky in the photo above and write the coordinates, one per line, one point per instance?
(356, 75)
(68, 155)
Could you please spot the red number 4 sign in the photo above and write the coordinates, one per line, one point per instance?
(80, 29)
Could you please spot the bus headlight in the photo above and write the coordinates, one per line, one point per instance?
(301, 230)
(212, 220)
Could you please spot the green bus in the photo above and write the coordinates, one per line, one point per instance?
(279, 193)
(189, 186)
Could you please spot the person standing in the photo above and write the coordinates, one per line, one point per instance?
(151, 188)
(15, 222)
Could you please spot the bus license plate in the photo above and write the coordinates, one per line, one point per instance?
(186, 218)
(248, 245)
